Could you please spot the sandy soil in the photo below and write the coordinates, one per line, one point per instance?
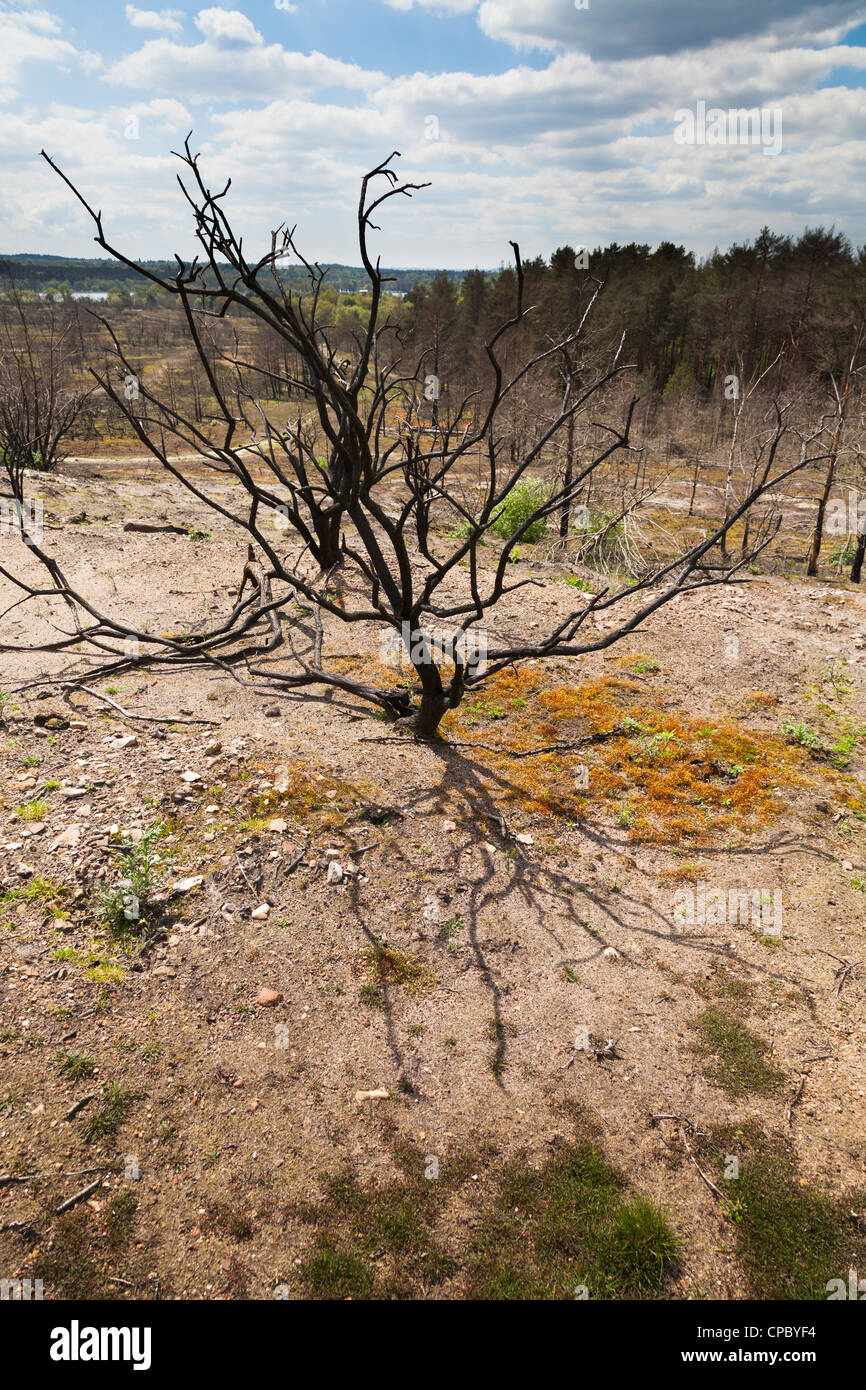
(524, 909)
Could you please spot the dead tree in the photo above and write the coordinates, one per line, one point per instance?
(842, 394)
(40, 402)
(346, 486)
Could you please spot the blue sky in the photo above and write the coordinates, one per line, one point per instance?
(540, 120)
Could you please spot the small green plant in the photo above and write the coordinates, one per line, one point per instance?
(125, 905)
(74, 1065)
(577, 583)
(842, 556)
(7, 705)
(110, 1113)
(800, 733)
(372, 996)
(519, 504)
(33, 810)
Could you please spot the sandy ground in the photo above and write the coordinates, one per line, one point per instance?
(528, 919)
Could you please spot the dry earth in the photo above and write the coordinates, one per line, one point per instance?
(490, 908)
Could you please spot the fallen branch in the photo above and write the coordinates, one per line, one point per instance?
(69, 686)
(77, 1197)
(79, 1105)
(794, 1099)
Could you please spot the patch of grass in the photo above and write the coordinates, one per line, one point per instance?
(120, 1218)
(98, 963)
(68, 1264)
(567, 1224)
(841, 750)
(389, 966)
(374, 1242)
(37, 890)
(232, 1221)
(331, 1273)
(74, 1065)
(32, 810)
(372, 996)
(110, 1113)
(736, 1057)
(791, 1238)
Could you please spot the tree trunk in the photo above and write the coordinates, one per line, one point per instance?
(565, 515)
(818, 534)
(328, 554)
(860, 552)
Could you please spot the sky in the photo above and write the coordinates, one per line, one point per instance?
(541, 121)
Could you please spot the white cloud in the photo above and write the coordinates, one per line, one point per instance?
(227, 26)
(167, 21)
(231, 63)
(32, 36)
(632, 27)
(580, 149)
(441, 6)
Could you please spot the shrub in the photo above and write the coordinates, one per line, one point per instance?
(524, 498)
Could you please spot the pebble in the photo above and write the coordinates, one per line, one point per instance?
(186, 885)
(267, 998)
(260, 913)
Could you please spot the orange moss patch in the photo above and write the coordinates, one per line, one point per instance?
(673, 779)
